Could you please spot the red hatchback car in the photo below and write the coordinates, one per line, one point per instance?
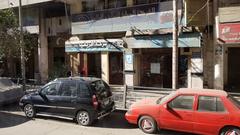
(208, 112)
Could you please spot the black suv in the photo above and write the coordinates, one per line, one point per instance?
(81, 98)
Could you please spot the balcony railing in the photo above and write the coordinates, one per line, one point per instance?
(116, 12)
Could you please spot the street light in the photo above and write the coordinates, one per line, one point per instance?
(22, 47)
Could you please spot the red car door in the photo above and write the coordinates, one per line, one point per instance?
(210, 116)
(178, 113)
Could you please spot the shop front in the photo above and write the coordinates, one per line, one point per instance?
(101, 58)
(229, 45)
(152, 61)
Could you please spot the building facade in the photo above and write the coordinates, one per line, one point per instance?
(227, 41)
(124, 42)
(143, 55)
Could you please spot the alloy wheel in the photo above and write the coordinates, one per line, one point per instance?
(83, 118)
(29, 111)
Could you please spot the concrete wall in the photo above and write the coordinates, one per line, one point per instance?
(15, 3)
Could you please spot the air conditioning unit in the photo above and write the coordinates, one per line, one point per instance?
(186, 51)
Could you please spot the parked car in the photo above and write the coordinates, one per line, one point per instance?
(208, 112)
(9, 91)
(80, 98)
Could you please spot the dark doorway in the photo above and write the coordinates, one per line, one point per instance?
(233, 69)
(116, 68)
(94, 65)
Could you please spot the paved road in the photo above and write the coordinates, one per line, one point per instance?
(13, 122)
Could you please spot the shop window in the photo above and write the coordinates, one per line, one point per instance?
(138, 2)
(156, 68)
(88, 6)
(116, 3)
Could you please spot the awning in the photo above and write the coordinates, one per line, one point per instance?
(163, 41)
(109, 45)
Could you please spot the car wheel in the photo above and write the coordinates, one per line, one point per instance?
(83, 118)
(147, 124)
(29, 111)
(230, 131)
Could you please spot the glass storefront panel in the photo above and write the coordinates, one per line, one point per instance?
(156, 68)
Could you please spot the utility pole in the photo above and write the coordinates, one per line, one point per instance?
(175, 46)
(22, 47)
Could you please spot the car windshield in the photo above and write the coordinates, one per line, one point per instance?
(234, 101)
(163, 99)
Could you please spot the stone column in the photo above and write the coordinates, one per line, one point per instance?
(43, 49)
(129, 67)
(105, 66)
(218, 51)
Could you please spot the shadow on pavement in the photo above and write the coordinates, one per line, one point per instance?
(114, 120)
(11, 120)
(14, 107)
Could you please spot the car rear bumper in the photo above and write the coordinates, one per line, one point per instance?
(133, 119)
(107, 111)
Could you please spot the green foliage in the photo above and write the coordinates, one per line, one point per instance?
(10, 36)
(59, 70)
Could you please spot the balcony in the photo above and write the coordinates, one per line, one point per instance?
(142, 17)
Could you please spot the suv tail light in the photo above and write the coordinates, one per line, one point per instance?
(94, 101)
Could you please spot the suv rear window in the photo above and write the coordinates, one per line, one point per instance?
(99, 86)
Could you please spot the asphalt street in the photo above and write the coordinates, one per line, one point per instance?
(14, 122)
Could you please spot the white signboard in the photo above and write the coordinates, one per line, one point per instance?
(129, 62)
(155, 68)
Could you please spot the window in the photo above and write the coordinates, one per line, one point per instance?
(68, 89)
(210, 104)
(84, 90)
(88, 6)
(116, 3)
(100, 86)
(50, 89)
(234, 101)
(182, 102)
(138, 2)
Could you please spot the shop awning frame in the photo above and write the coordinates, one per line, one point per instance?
(163, 41)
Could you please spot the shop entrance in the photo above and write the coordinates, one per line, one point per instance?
(156, 68)
(116, 68)
(94, 64)
(233, 69)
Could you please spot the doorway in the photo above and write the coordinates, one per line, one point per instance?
(94, 64)
(116, 68)
(233, 69)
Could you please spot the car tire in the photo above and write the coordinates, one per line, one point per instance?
(84, 118)
(29, 111)
(230, 131)
(147, 124)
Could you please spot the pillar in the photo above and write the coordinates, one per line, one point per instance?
(43, 49)
(75, 63)
(218, 51)
(105, 66)
(129, 67)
